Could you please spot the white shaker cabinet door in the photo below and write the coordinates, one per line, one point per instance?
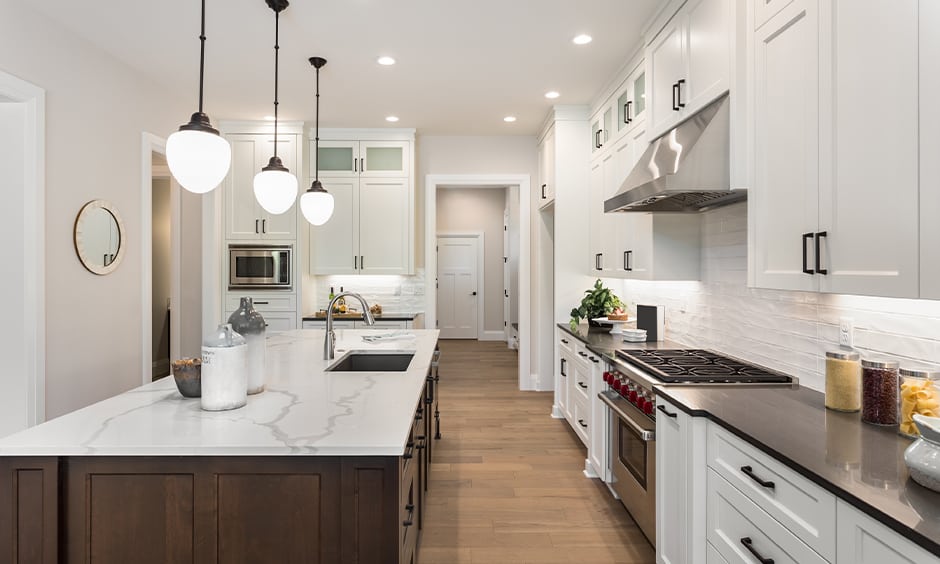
(242, 212)
(785, 198)
(284, 225)
(667, 67)
(334, 246)
(384, 220)
(862, 540)
(672, 542)
(868, 205)
(707, 38)
(929, 150)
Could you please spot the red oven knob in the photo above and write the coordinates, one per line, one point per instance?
(648, 408)
(616, 385)
(607, 376)
(633, 396)
(641, 403)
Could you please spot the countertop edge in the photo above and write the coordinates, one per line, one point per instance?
(398, 316)
(870, 510)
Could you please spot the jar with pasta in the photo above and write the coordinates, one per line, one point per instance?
(920, 393)
(843, 381)
(880, 392)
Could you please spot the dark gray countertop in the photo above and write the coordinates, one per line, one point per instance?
(381, 317)
(859, 463)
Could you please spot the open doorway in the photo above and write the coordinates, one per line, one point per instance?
(161, 291)
(22, 335)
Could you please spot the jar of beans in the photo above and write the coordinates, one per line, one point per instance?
(880, 392)
(843, 381)
(919, 394)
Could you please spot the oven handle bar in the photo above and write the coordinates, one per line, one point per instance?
(645, 434)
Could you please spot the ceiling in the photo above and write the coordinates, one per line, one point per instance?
(462, 66)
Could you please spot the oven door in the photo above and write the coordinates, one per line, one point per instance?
(633, 461)
(259, 267)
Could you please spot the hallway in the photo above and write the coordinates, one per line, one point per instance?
(506, 483)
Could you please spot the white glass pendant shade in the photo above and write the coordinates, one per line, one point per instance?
(275, 190)
(198, 160)
(317, 206)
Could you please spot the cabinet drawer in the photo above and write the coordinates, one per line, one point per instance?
(581, 383)
(322, 324)
(263, 301)
(383, 325)
(712, 556)
(734, 523)
(566, 343)
(581, 419)
(800, 505)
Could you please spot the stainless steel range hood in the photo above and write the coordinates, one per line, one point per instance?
(684, 170)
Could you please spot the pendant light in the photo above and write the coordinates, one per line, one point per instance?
(316, 203)
(198, 157)
(275, 187)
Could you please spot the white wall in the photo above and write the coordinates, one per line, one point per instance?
(469, 210)
(14, 402)
(789, 331)
(96, 109)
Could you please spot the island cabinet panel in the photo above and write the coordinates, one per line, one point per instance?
(29, 510)
(370, 520)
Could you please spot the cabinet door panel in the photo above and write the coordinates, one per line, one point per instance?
(666, 66)
(784, 200)
(929, 149)
(337, 158)
(334, 245)
(384, 220)
(595, 231)
(671, 491)
(281, 226)
(242, 212)
(707, 37)
(862, 540)
(385, 158)
(868, 208)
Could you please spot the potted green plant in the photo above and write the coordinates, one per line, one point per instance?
(598, 302)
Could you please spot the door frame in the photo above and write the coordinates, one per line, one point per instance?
(34, 241)
(432, 183)
(481, 275)
(150, 144)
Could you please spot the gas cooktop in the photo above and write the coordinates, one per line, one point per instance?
(697, 366)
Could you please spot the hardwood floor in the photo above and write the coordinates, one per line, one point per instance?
(506, 484)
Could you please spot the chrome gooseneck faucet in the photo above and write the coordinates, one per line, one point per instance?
(329, 343)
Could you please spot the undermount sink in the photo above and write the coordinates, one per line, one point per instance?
(373, 361)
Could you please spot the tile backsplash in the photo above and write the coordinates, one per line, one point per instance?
(396, 294)
(788, 331)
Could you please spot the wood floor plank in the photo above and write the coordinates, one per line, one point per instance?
(507, 482)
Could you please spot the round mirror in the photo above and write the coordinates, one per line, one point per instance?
(99, 237)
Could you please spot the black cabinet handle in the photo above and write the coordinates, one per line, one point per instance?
(749, 472)
(261, 303)
(663, 409)
(362, 262)
(582, 423)
(746, 541)
(264, 226)
(362, 164)
(598, 261)
(543, 190)
(355, 165)
(355, 263)
(819, 269)
(679, 84)
(565, 341)
(628, 111)
(582, 385)
(592, 359)
(409, 453)
(582, 354)
(675, 94)
(410, 508)
(628, 261)
(564, 362)
(256, 226)
(806, 268)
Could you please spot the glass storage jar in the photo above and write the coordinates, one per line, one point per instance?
(880, 392)
(920, 393)
(224, 370)
(843, 381)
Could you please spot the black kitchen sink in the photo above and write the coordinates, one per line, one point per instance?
(373, 362)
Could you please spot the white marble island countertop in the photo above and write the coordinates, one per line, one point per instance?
(303, 411)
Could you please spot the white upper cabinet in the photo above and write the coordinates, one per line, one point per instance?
(871, 178)
(929, 150)
(372, 227)
(783, 204)
(546, 185)
(245, 219)
(631, 101)
(689, 61)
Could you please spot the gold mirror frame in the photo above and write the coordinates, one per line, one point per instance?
(79, 237)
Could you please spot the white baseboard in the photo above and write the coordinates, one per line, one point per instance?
(589, 469)
(493, 336)
(556, 412)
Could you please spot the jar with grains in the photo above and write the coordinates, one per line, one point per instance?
(920, 393)
(843, 381)
(880, 392)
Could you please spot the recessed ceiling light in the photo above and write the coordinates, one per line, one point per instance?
(268, 118)
(552, 95)
(582, 39)
(386, 61)
(392, 118)
(509, 119)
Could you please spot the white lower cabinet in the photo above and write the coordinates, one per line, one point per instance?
(599, 445)
(862, 540)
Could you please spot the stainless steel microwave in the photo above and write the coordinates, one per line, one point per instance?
(253, 266)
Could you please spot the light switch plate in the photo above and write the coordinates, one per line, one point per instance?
(846, 332)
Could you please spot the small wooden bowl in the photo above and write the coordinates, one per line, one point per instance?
(187, 373)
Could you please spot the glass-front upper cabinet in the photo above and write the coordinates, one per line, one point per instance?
(631, 103)
(363, 158)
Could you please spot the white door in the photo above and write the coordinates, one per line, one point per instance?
(14, 413)
(334, 246)
(507, 319)
(457, 290)
(384, 222)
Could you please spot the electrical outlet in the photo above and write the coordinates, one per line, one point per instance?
(846, 332)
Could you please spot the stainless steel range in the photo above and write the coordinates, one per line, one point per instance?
(633, 412)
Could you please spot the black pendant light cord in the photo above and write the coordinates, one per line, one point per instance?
(202, 53)
(316, 134)
(277, 48)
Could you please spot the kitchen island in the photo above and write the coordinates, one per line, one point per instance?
(321, 467)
